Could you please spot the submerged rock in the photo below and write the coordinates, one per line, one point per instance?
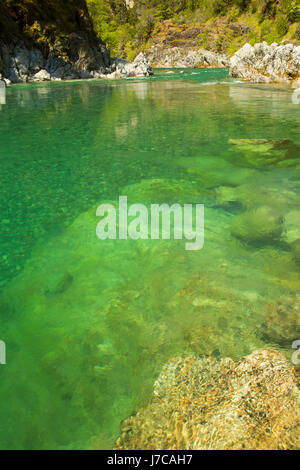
(254, 195)
(296, 251)
(261, 225)
(263, 63)
(266, 151)
(282, 322)
(200, 404)
(211, 172)
(292, 226)
(162, 190)
(58, 284)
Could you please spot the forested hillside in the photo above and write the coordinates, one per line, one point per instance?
(129, 26)
(220, 25)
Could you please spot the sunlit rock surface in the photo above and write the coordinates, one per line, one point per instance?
(140, 67)
(206, 403)
(185, 58)
(266, 64)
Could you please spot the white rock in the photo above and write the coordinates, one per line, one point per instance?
(41, 76)
(264, 63)
(123, 69)
(185, 58)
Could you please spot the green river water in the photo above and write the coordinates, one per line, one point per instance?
(88, 324)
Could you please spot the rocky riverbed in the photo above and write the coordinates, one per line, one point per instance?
(207, 403)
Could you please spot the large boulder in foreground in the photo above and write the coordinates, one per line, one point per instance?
(204, 403)
(266, 64)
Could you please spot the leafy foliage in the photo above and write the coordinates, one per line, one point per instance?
(129, 26)
(129, 29)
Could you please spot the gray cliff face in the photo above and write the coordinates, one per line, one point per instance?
(266, 64)
(178, 57)
(22, 62)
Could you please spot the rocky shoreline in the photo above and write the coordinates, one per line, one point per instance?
(35, 48)
(21, 63)
(262, 63)
(177, 57)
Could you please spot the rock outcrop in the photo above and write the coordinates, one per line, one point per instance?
(204, 403)
(185, 58)
(266, 64)
(23, 63)
(139, 68)
(41, 42)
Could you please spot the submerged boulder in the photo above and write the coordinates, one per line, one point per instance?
(205, 403)
(183, 57)
(282, 322)
(211, 172)
(259, 152)
(255, 194)
(162, 190)
(260, 225)
(292, 226)
(295, 246)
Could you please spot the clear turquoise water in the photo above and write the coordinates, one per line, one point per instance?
(88, 324)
